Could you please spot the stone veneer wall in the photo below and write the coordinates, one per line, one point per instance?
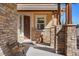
(53, 37)
(46, 35)
(62, 38)
(8, 26)
(49, 36)
(60, 44)
(71, 44)
(66, 40)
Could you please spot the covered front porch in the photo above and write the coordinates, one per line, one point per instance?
(37, 30)
(55, 32)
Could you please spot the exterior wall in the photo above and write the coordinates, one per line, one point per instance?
(77, 33)
(61, 37)
(71, 47)
(66, 41)
(47, 36)
(8, 26)
(34, 33)
(53, 37)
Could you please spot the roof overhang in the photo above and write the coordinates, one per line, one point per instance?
(53, 6)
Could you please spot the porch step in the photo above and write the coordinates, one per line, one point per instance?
(25, 41)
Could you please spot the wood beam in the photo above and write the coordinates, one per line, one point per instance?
(68, 13)
(59, 14)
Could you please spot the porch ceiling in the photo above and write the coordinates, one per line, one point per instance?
(37, 6)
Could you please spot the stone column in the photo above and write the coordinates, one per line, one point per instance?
(70, 32)
(71, 40)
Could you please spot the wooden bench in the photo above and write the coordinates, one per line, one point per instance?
(15, 48)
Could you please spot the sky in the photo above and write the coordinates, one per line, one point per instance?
(75, 14)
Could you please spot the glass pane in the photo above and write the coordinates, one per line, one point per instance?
(40, 21)
(20, 23)
(38, 26)
(41, 26)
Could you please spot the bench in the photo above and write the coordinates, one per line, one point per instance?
(15, 48)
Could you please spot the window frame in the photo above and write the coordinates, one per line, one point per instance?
(36, 19)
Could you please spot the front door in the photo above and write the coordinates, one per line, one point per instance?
(27, 27)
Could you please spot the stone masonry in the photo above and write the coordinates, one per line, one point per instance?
(66, 41)
(60, 41)
(53, 37)
(71, 44)
(8, 25)
(63, 39)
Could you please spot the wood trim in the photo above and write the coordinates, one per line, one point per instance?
(34, 11)
(38, 4)
(54, 11)
(45, 18)
(69, 25)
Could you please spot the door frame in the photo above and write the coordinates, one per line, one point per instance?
(22, 34)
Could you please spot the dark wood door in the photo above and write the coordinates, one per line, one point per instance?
(27, 27)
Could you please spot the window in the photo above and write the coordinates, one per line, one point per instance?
(21, 23)
(77, 33)
(40, 22)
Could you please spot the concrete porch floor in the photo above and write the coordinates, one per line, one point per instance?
(33, 49)
(41, 51)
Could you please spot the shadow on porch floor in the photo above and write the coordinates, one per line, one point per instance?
(37, 50)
